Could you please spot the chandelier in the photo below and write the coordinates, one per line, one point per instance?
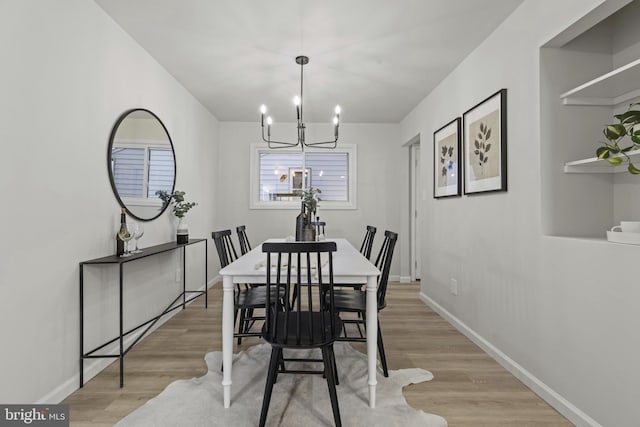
(297, 101)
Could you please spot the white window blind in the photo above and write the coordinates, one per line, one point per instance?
(161, 171)
(128, 171)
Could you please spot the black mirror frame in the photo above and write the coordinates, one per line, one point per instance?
(114, 130)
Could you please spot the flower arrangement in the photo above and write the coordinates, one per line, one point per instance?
(310, 198)
(176, 199)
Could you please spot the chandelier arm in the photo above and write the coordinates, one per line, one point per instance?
(333, 143)
(282, 144)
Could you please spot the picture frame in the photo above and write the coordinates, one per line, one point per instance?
(447, 155)
(298, 181)
(485, 145)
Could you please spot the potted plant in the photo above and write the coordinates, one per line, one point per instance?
(616, 149)
(179, 207)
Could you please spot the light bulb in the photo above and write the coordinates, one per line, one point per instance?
(263, 109)
(335, 120)
(338, 110)
(296, 100)
(269, 120)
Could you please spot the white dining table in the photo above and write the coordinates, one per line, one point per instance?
(349, 267)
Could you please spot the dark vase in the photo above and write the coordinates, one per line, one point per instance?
(301, 221)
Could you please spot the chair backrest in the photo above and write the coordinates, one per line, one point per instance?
(367, 243)
(245, 246)
(309, 321)
(319, 225)
(224, 245)
(383, 262)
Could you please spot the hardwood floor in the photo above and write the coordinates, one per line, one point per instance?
(469, 388)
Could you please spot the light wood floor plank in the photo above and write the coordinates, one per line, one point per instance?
(469, 388)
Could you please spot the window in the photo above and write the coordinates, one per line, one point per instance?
(278, 177)
(140, 172)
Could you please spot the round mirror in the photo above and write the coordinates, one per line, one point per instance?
(141, 161)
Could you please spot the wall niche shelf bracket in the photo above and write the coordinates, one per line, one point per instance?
(613, 88)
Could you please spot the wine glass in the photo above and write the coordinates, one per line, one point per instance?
(125, 234)
(138, 232)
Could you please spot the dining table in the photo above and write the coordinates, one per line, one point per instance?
(349, 267)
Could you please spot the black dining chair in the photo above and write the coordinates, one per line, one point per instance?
(354, 301)
(365, 249)
(310, 322)
(367, 243)
(245, 246)
(247, 298)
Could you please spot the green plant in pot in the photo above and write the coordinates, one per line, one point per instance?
(616, 149)
(179, 208)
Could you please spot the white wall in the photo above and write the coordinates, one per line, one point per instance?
(67, 73)
(559, 312)
(380, 186)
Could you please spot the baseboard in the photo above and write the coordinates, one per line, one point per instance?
(93, 367)
(562, 405)
(405, 279)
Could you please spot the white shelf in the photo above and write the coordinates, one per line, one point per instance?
(596, 165)
(612, 88)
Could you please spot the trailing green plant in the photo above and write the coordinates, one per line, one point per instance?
(617, 147)
(176, 199)
(310, 199)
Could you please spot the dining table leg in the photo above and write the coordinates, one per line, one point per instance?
(227, 337)
(372, 337)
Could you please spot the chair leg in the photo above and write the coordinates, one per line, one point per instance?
(242, 324)
(280, 368)
(276, 354)
(328, 357)
(335, 366)
(235, 316)
(383, 358)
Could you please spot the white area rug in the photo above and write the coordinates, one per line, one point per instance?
(297, 400)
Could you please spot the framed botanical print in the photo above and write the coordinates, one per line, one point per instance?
(485, 145)
(446, 160)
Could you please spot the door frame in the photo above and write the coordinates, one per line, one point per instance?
(415, 196)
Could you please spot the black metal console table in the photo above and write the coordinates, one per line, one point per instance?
(120, 261)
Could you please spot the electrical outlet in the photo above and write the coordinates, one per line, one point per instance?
(453, 286)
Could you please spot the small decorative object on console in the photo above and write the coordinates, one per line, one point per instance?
(180, 208)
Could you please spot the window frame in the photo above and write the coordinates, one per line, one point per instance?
(254, 178)
(147, 146)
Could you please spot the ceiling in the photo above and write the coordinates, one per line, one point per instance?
(376, 58)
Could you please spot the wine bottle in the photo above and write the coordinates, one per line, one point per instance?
(301, 220)
(123, 226)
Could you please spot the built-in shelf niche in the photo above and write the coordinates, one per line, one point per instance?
(588, 73)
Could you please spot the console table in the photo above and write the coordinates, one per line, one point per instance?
(120, 261)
